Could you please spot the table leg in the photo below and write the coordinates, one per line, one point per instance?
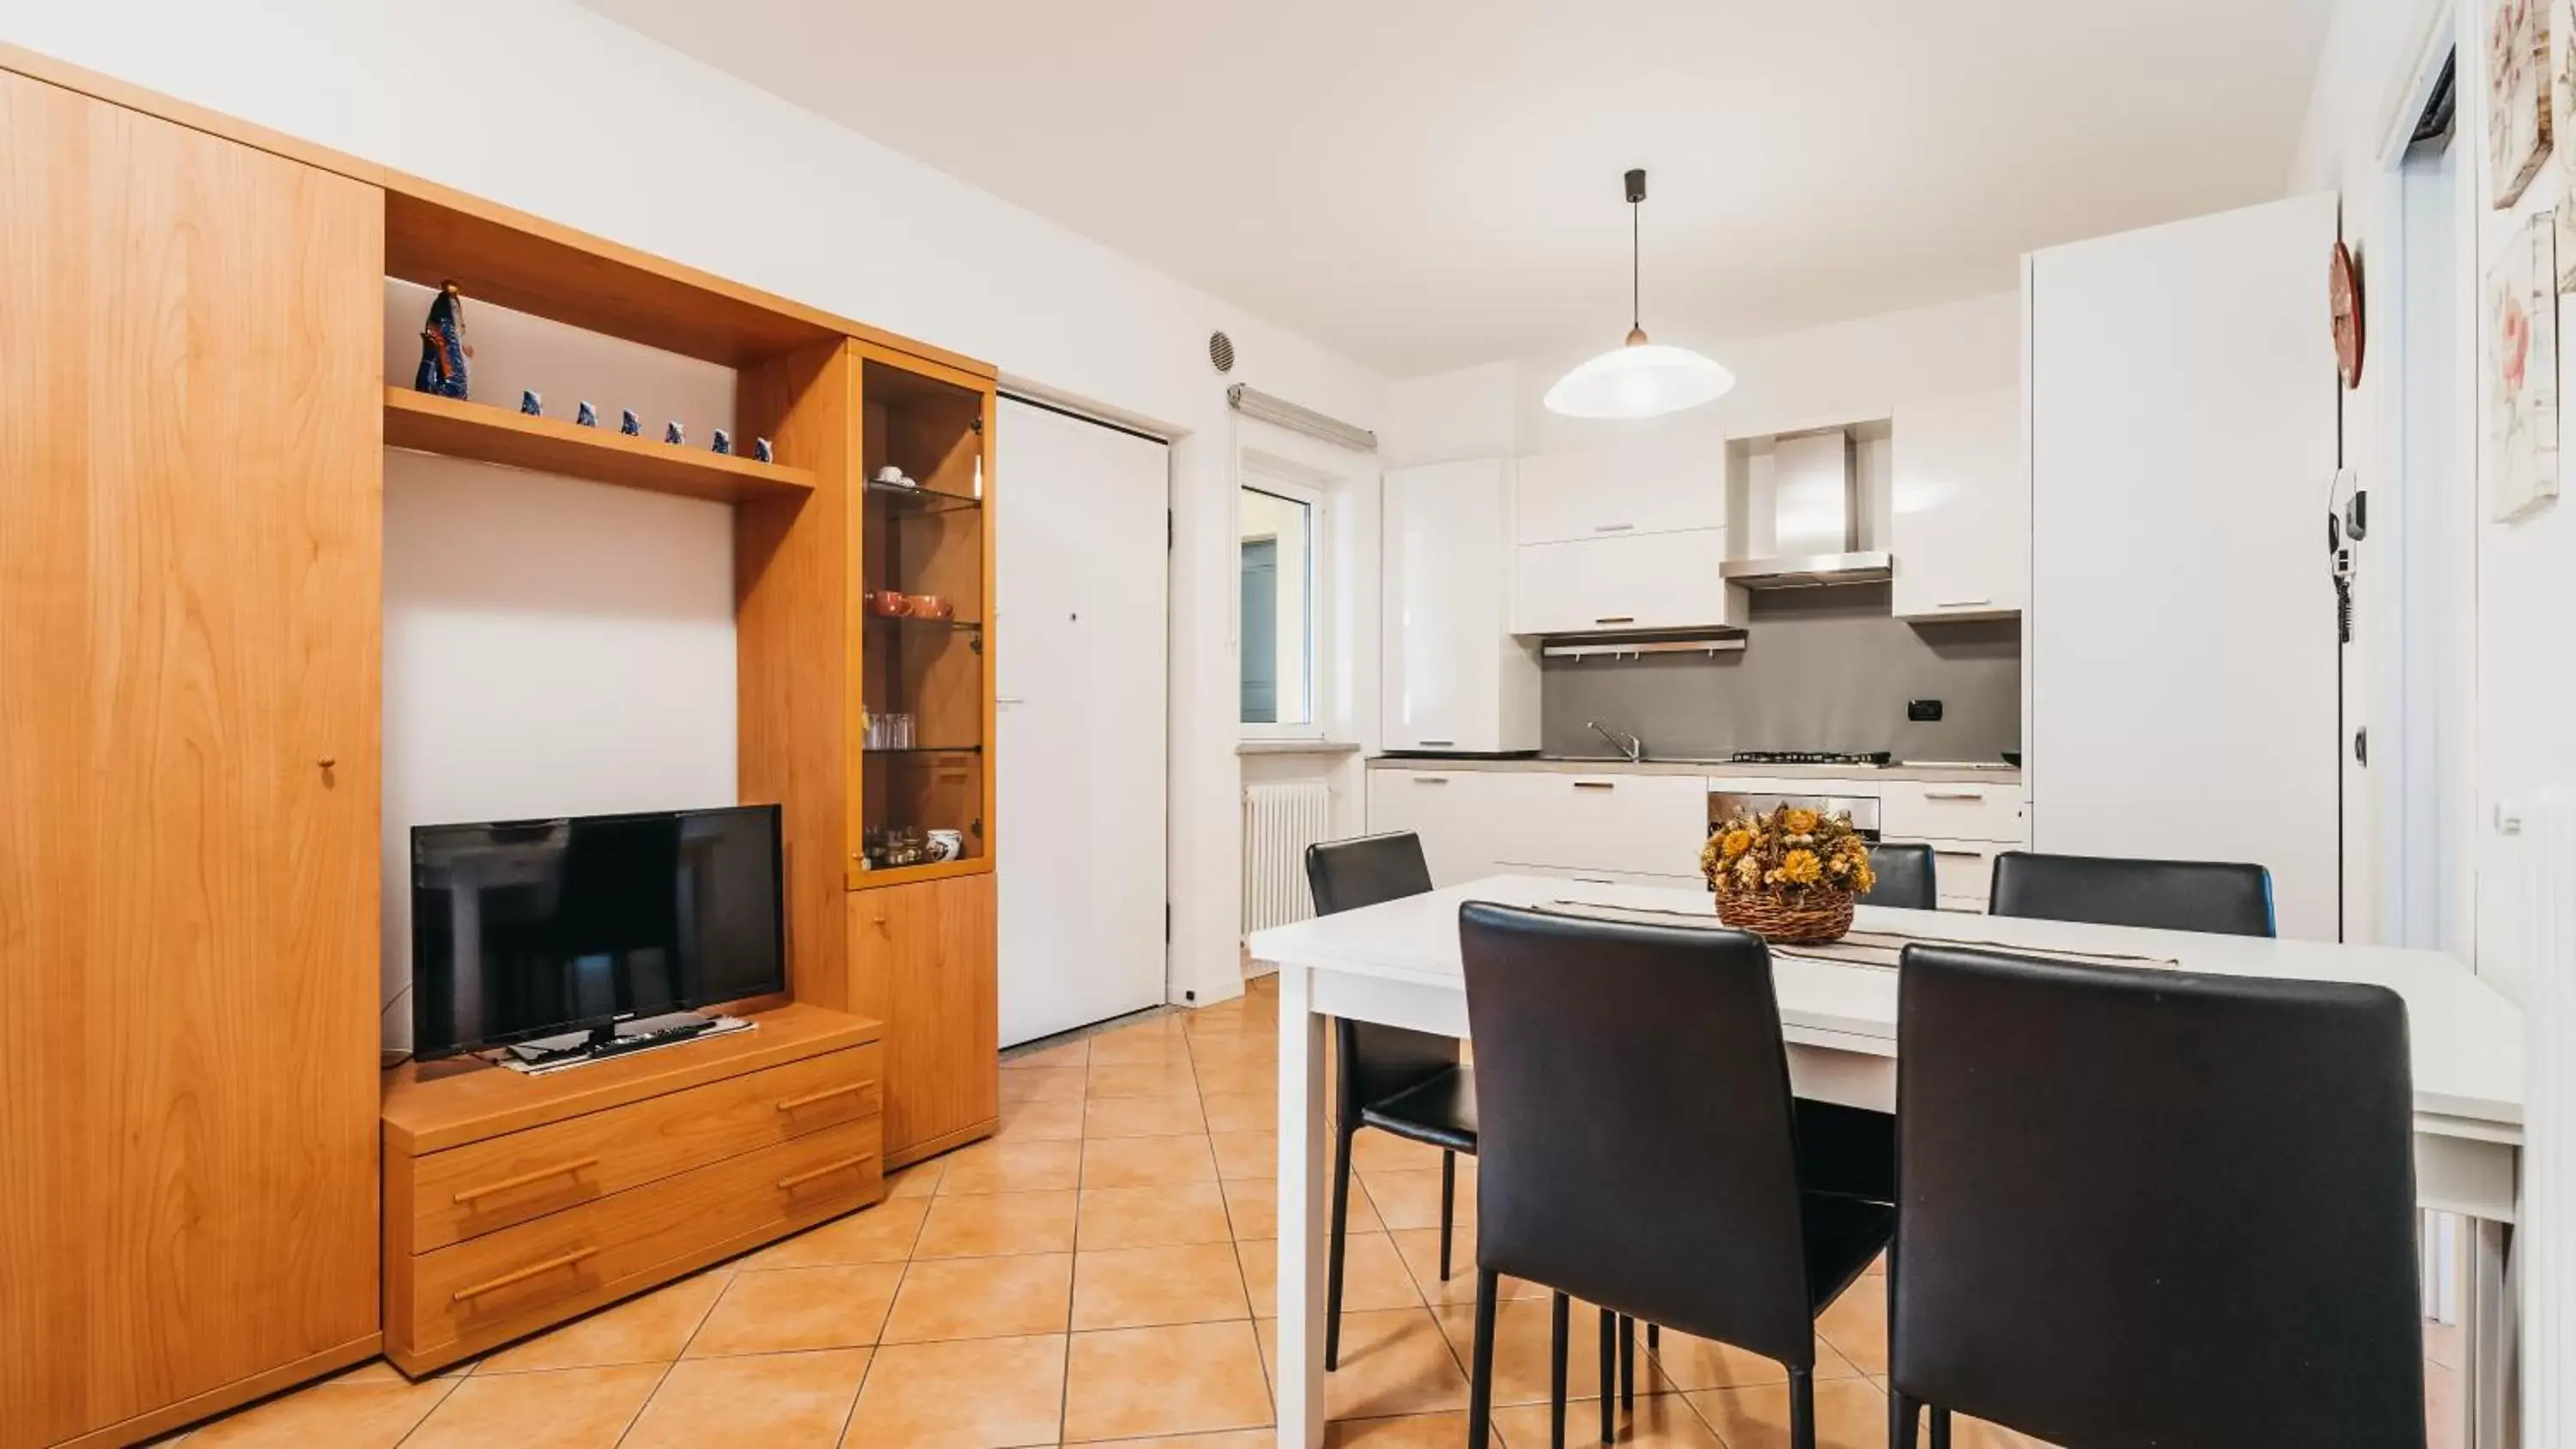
(2490, 1383)
(1299, 1387)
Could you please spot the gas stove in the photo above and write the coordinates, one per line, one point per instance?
(1869, 759)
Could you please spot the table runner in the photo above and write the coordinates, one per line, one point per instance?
(1878, 949)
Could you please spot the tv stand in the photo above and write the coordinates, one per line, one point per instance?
(623, 1038)
(514, 1201)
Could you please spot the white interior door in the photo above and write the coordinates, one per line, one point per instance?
(1083, 600)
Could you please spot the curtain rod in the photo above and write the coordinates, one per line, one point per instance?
(1253, 403)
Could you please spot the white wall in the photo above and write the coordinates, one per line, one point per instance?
(541, 105)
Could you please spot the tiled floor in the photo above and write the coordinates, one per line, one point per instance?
(1100, 1271)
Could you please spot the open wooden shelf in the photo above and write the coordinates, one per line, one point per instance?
(428, 423)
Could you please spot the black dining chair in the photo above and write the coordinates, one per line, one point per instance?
(2150, 1208)
(2167, 895)
(1641, 1148)
(1409, 1083)
(1904, 876)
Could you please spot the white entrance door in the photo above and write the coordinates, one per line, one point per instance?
(1083, 599)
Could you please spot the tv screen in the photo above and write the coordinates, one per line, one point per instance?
(533, 928)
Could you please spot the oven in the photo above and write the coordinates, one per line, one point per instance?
(1724, 805)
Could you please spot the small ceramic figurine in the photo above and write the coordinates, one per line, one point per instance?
(760, 450)
(586, 415)
(724, 441)
(443, 351)
(629, 424)
(531, 404)
(672, 435)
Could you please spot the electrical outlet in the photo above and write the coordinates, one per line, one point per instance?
(1923, 711)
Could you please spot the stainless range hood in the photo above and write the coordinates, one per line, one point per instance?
(1816, 509)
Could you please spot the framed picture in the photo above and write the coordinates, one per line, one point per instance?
(2518, 96)
(2562, 23)
(2520, 385)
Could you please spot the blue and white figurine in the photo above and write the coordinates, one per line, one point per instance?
(724, 441)
(672, 435)
(629, 424)
(531, 404)
(586, 415)
(760, 450)
(443, 352)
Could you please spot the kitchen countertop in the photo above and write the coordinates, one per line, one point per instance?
(2001, 774)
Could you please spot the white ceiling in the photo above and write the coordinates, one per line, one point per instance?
(1425, 184)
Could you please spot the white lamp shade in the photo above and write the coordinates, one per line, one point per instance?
(1643, 381)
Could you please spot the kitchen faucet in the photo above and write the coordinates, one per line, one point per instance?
(1631, 746)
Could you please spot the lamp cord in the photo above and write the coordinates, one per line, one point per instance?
(1636, 305)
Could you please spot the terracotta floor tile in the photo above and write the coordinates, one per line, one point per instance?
(1142, 1117)
(1246, 1154)
(1141, 1046)
(1040, 1121)
(346, 1416)
(1688, 1362)
(2444, 1407)
(1393, 1362)
(1240, 1112)
(1520, 1351)
(2445, 1344)
(1145, 1079)
(652, 1328)
(1146, 1161)
(985, 1225)
(1260, 1262)
(786, 1310)
(1411, 1431)
(1967, 1433)
(985, 1393)
(1857, 1326)
(1074, 1053)
(1045, 1084)
(1251, 1078)
(1373, 1275)
(1231, 1439)
(1233, 1049)
(1186, 1379)
(558, 1409)
(919, 1180)
(1152, 1217)
(1373, 1151)
(1659, 1421)
(1421, 1250)
(1038, 1166)
(1411, 1198)
(1144, 1287)
(981, 1298)
(1252, 1206)
(378, 1371)
(1850, 1414)
(881, 1234)
(766, 1401)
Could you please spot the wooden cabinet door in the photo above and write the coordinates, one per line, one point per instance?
(921, 961)
(190, 483)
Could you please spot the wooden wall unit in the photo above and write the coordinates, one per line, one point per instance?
(190, 506)
(921, 959)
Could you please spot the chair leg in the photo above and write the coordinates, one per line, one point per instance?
(1609, 1373)
(1333, 1252)
(1654, 1338)
(1627, 1363)
(1480, 1375)
(1557, 1317)
(1448, 1207)
(1940, 1428)
(1802, 1409)
(1904, 1421)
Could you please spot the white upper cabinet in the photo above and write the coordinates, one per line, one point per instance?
(1960, 511)
(1608, 493)
(1622, 584)
(1454, 677)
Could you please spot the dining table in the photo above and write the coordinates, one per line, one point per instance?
(1397, 963)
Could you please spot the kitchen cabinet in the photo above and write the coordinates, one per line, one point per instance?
(1454, 678)
(1455, 812)
(1606, 493)
(1610, 822)
(1960, 514)
(1923, 810)
(1625, 583)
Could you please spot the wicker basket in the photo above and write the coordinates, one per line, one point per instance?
(1810, 917)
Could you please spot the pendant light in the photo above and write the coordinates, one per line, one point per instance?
(1641, 379)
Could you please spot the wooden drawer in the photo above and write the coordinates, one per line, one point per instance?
(1977, 810)
(483, 1187)
(470, 1296)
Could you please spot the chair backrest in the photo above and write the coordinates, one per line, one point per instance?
(1904, 877)
(2143, 1207)
(2170, 895)
(1375, 1061)
(1635, 1145)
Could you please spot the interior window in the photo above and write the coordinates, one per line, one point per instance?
(1278, 629)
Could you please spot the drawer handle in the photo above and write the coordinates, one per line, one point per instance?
(1612, 527)
(1963, 603)
(795, 1180)
(1617, 619)
(798, 1104)
(1431, 779)
(1596, 784)
(1954, 794)
(1959, 854)
(533, 1270)
(1440, 744)
(467, 1195)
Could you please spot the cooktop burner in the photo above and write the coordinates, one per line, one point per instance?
(1874, 759)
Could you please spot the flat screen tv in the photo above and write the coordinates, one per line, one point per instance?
(534, 928)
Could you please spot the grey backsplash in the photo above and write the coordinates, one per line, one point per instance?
(1822, 669)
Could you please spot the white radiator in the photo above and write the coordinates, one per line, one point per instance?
(2540, 871)
(1280, 819)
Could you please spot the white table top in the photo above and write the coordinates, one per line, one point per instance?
(2467, 1038)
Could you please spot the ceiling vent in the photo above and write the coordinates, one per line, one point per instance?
(1221, 351)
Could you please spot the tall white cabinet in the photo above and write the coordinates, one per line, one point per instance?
(2181, 640)
(1959, 510)
(1454, 677)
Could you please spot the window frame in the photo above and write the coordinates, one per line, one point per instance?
(1261, 472)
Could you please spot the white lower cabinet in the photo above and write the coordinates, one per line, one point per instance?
(1974, 810)
(1615, 823)
(1963, 871)
(1454, 811)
